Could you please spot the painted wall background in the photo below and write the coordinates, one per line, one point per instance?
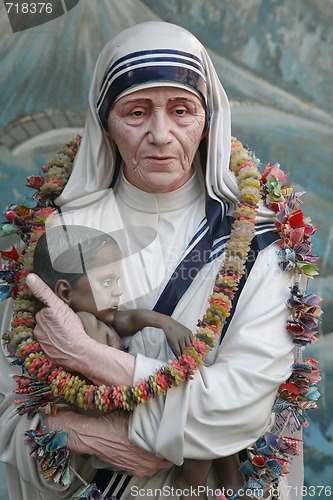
(274, 58)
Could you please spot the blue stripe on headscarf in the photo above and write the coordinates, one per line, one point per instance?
(147, 74)
(132, 66)
(142, 53)
(165, 66)
(135, 58)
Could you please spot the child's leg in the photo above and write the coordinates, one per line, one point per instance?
(229, 477)
(194, 474)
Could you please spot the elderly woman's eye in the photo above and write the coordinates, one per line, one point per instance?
(137, 113)
(180, 111)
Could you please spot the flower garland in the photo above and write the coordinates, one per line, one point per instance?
(75, 389)
(45, 382)
(270, 456)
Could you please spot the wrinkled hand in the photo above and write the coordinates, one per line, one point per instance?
(177, 335)
(55, 324)
(62, 337)
(106, 437)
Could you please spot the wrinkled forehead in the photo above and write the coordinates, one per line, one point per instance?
(149, 55)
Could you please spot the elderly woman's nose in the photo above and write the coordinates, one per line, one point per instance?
(159, 128)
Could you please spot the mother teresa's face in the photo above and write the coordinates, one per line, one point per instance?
(157, 131)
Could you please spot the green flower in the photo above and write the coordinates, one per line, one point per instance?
(308, 268)
(274, 190)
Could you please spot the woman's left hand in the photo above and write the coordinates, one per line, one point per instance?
(58, 327)
(106, 437)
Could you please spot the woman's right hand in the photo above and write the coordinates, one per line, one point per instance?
(106, 437)
(62, 337)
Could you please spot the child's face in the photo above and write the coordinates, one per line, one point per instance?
(98, 291)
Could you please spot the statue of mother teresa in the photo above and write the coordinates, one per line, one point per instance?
(153, 166)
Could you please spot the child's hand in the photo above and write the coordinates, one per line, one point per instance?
(129, 322)
(178, 336)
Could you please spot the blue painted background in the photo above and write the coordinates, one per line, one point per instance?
(274, 58)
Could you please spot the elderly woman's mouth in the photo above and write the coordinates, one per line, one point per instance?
(160, 159)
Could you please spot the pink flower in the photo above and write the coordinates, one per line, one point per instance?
(190, 361)
(200, 347)
(220, 302)
(278, 174)
(45, 212)
(297, 235)
(162, 381)
(116, 393)
(212, 328)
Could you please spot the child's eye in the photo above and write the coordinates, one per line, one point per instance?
(106, 283)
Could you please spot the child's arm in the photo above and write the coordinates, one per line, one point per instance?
(127, 323)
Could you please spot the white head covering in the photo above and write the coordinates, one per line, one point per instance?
(147, 55)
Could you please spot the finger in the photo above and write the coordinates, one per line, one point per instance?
(176, 350)
(42, 291)
(166, 463)
(189, 339)
(190, 334)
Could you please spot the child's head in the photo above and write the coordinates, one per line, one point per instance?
(82, 266)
